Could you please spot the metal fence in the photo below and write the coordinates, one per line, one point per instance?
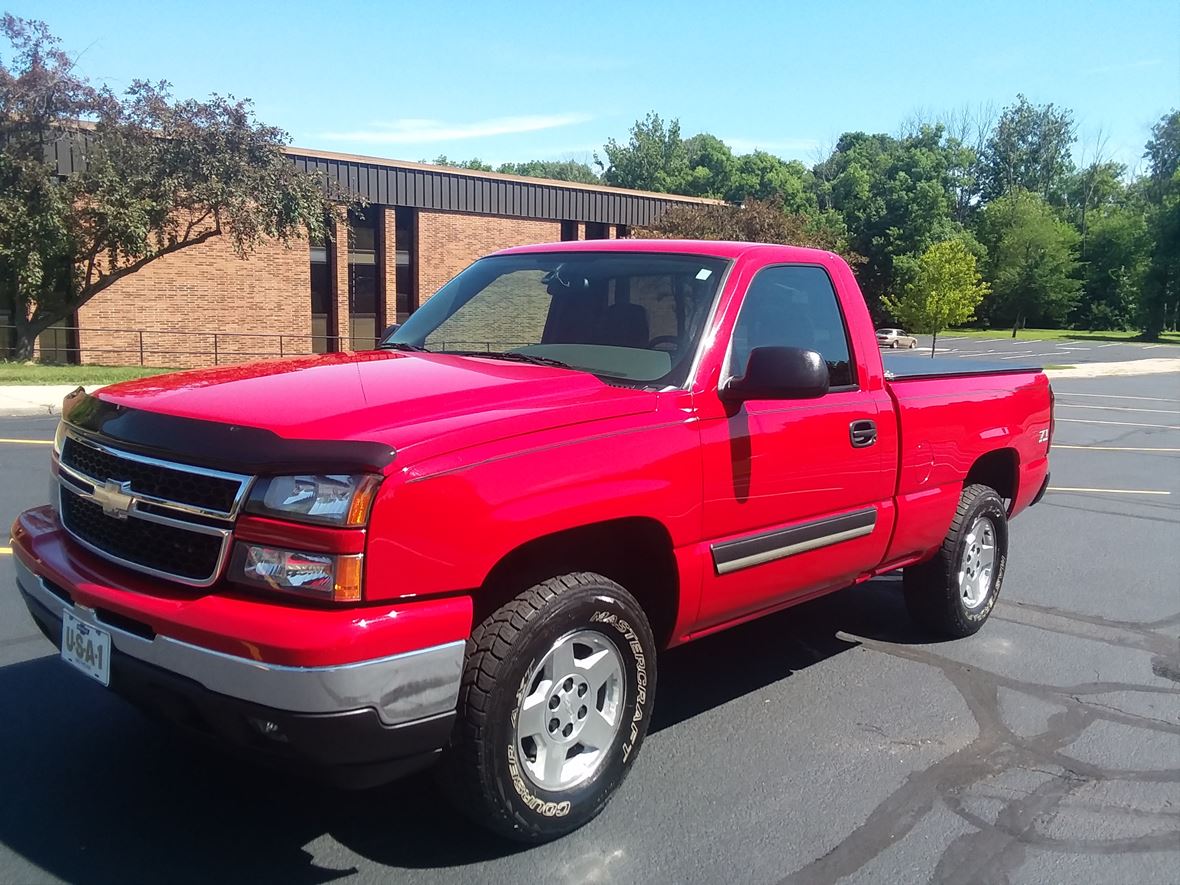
(165, 348)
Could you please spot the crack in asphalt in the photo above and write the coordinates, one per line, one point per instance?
(995, 850)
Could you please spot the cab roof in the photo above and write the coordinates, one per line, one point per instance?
(713, 248)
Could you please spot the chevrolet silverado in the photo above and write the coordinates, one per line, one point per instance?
(472, 544)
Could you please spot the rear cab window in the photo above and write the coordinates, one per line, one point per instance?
(794, 305)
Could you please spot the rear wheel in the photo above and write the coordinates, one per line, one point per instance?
(554, 704)
(893, 344)
(954, 592)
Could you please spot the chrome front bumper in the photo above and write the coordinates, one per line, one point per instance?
(402, 688)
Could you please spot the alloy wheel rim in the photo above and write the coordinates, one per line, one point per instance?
(977, 562)
(570, 711)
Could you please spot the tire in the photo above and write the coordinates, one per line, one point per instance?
(494, 771)
(913, 344)
(953, 593)
(893, 344)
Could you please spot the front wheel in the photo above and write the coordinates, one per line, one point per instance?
(954, 592)
(554, 704)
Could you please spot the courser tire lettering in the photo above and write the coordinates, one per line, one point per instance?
(483, 770)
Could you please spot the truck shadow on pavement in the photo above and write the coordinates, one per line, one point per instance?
(90, 791)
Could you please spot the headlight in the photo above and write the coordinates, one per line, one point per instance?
(332, 499)
(59, 438)
(325, 576)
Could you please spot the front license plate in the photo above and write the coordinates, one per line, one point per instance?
(87, 648)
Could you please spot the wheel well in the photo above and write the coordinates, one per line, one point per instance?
(999, 469)
(635, 552)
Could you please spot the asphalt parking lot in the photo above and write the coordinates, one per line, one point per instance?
(832, 742)
(1003, 348)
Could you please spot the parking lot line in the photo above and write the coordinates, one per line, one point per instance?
(1116, 448)
(1154, 399)
(5, 551)
(28, 442)
(1111, 491)
(1119, 408)
(1112, 344)
(1118, 423)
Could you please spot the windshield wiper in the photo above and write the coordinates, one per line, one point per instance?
(397, 345)
(511, 357)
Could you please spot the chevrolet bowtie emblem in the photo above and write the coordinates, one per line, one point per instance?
(115, 498)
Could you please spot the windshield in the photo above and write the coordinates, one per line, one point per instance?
(630, 317)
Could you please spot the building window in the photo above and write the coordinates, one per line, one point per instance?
(595, 230)
(362, 279)
(406, 277)
(569, 231)
(59, 343)
(321, 298)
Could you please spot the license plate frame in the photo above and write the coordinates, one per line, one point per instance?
(86, 648)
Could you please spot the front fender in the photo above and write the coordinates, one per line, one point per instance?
(442, 525)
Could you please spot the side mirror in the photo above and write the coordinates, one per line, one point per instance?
(780, 373)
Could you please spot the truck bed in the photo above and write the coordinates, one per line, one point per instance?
(912, 368)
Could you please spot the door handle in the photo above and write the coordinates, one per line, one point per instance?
(862, 433)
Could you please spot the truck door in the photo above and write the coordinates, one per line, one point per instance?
(798, 492)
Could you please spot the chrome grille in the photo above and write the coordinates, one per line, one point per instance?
(159, 517)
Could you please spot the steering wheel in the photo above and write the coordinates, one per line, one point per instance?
(664, 341)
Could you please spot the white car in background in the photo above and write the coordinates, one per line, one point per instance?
(896, 338)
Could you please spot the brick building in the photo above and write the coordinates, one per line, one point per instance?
(422, 225)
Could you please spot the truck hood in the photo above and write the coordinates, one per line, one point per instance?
(435, 402)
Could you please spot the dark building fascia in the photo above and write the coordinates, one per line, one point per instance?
(442, 188)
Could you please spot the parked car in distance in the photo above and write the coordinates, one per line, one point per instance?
(473, 544)
(896, 338)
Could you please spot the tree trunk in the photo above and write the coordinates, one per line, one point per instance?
(26, 339)
(26, 334)
(933, 341)
(1015, 325)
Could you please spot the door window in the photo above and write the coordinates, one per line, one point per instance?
(793, 306)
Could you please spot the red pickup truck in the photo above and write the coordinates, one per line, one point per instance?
(474, 541)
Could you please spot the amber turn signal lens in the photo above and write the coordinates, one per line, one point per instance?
(362, 500)
(348, 579)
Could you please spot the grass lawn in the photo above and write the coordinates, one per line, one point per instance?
(35, 373)
(1058, 335)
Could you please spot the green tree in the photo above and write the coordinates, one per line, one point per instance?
(1163, 150)
(1160, 301)
(1030, 264)
(940, 288)
(160, 176)
(755, 221)
(1118, 249)
(1029, 149)
(710, 166)
(897, 197)
(653, 159)
(475, 163)
(558, 170)
(1094, 190)
(763, 176)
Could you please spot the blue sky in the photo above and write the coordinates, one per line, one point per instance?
(550, 80)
